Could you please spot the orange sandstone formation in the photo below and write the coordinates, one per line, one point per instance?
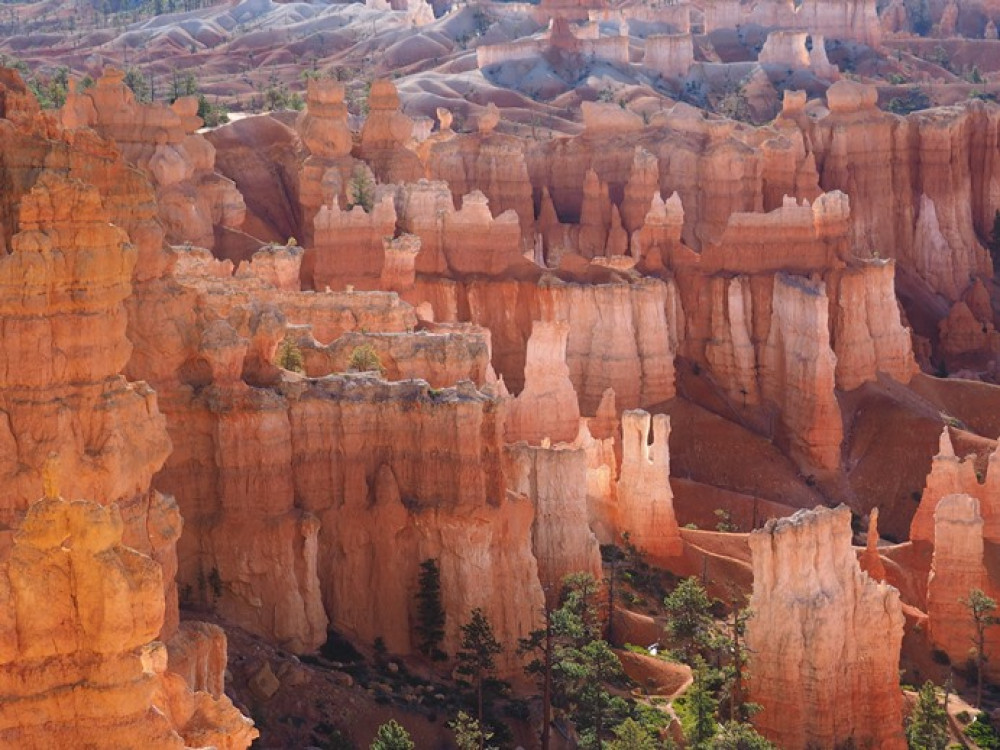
(958, 567)
(79, 662)
(547, 406)
(951, 475)
(193, 199)
(76, 232)
(798, 372)
(824, 638)
(555, 479)
(645, 501)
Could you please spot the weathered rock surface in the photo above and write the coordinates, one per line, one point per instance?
(555, 479)
(824, 639)
(193, 199)
(547, 406)
(79, 663)
(958, 567)
(645, 500)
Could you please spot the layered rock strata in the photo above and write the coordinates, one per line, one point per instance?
(824, 638)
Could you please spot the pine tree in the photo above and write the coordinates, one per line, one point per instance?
(734, 735)
(927, 727)
(981, 608)
(586, 672)
(690, 620)
(469, 734)
(698, 717)
(477, 659)
(430, 612)
(290, 357)
(630, 735)
(392, 736)
(361, 189)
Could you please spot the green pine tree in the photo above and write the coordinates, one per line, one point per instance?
(469, 734)
(392, 736)
(477, 659)
(690, 619)
(430, 611)
(630, 735)
(734, 735)
(927, 727)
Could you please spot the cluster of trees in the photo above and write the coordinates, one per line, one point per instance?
(580, 678)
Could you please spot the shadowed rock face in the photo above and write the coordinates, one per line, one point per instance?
(824, 638)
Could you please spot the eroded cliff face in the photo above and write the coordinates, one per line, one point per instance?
(79, 660)
(554, 478)
(83, 609)
(192, 198)
(958, 567)
(621, 335)
(824, 638)
(361, 447)
(300, 493)
(921, 186)
(645, 500)
(951, 475)
(547, 406)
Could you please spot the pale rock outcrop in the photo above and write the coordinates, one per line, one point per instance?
(870, 560)
(951, 475)
(469, 240)
(621, 335)
(658, 243)
(386, 136)
(824, 639)
(491, 162)
(958, 567)
(796, 236)
(641, 190)
(360, 447)
(595, 217)
(918, 184)
(325, 174)
(547, 406)
(867, 333)
(645, 500)
(278, 266)
(856, 20)
(399, 262)
(730, 351)
(670, 55)
(798, 372)
(785, 48)
(349, 245)
(555, 480)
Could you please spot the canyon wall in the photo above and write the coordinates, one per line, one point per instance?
(91, 584)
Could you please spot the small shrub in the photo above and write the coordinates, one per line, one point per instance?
(290, 357)
(364, 358)
(982, 732)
